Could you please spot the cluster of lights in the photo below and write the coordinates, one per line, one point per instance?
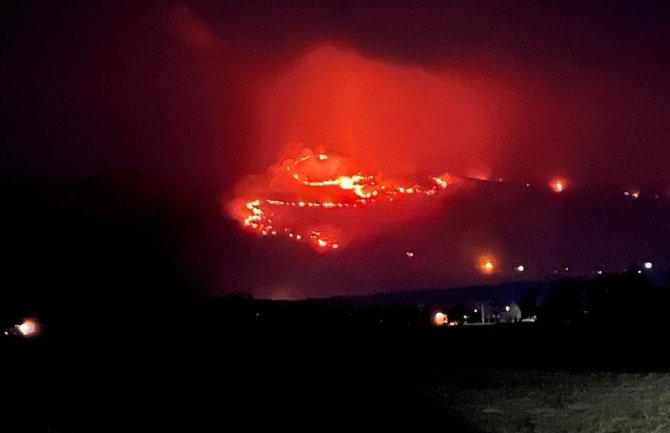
(632, 193)
(355, 189)
(486, 265)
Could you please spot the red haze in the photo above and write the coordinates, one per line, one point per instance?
(394, 118)
(398, 122)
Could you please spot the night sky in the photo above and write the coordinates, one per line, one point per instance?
(181, 103)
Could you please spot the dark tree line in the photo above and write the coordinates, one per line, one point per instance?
(622, 299)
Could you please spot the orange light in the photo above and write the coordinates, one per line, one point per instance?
(558, 185)
(633, 193)
(487, 265)
(440, 319)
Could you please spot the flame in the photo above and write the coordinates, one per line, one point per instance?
(440, 319)
(558, 185)
(322, 182)
(28, 328)
(487, 264)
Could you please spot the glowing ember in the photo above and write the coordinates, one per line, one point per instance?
(440, 319)
(558, 185)
(28, 328)
(487, 265)
(323, 183)
(632, 193)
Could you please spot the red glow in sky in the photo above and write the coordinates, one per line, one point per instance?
(393, 121)
(391, 118)
(200, 99)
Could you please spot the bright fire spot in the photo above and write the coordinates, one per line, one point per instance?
(633, 193)
(648, 265)
(520, 268)
(28, 328)
(409, 254)
(558, 185)
(440, 319)
(487, 265)
(320, 187)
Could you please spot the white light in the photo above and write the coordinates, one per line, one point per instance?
(506, 307)
(476, 310)
(520, 268)
(648, 265)
(599, 272)
(639, 272)
(28, 328)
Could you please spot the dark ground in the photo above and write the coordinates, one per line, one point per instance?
(240, 365)
(126, 347)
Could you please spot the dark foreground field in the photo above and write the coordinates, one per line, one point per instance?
(243, 366)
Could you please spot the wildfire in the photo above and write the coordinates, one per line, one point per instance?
(321, 185)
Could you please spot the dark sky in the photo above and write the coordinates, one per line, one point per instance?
(192, 97)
